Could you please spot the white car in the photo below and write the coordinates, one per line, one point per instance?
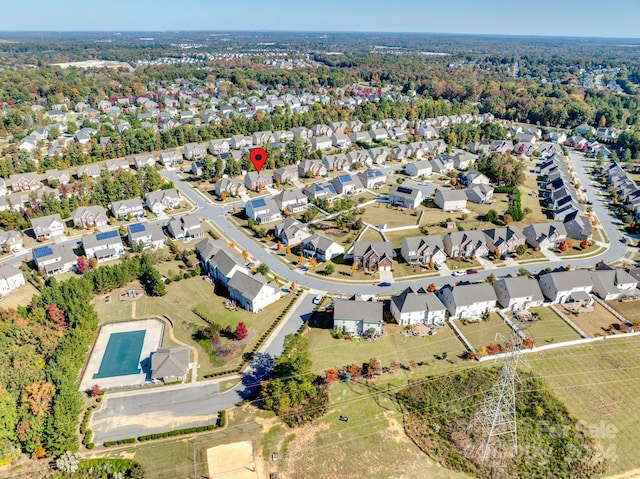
(459, 273)
(317, 299)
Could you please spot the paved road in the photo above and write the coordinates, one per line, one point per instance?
(131, 414)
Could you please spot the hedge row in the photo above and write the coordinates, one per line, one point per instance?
(222, 418)
(177, 432)
(247, 356)
(87, 433)
(129, 440)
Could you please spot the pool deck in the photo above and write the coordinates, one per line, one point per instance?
(152, 341)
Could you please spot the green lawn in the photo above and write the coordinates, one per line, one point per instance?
(328, 352)
(382, 213)
(370, 235)
(481, 333)
(599, 385)
(550, 328)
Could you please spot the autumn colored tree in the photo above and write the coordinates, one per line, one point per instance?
(93, 262)
(95, 391)
(223, 195)
(413, 364)
(300, 260)
(431, 288)
(375, 367)
(354, 371)
(584, 244)
(564, 246)
(528, 342)
(292, 286)
(454, 181)
(395, 365)
(269, 237)
(287, 249)
(331, 375)
(82, 264)
(241, 331)
(279, 246)
(232, 245)
(313, 263)
(493, 348)
(38, 396)
(245, 255)
(56, 315)
(432, 265)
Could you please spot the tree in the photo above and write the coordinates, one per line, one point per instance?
(413, 364)
(353, 370)
(300, 260)
(38, 396)
(279, 246)
(375, 367)
(524, 272)
(563, 246)
(292, 286)
(491, 278)
(263, 269)
(331, 375)
(245, 255)
(150, 278)
(95, 391)
(69, 462)
(431, 288)
(329, 269)
(241, 331)
(521, 249)
(287, 249)
(56, 315)
(395, 365)
(313, 263)
(82, 264)
(444, 355)
(584, 244)
(223, 195)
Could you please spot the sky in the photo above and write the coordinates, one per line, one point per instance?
(601, 18)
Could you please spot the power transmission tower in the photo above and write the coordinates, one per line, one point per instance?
(493, 424)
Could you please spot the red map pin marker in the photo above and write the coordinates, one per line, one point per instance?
(258, 156)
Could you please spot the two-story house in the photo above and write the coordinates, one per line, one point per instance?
(103, 246)
(47, 227)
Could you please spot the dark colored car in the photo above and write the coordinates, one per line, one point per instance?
(384, 284)
(344, 418)
(472, 271)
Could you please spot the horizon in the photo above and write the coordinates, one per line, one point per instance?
(549, 18)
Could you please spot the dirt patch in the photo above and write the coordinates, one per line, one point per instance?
(305, 437)
(394, 429)
(232, 460)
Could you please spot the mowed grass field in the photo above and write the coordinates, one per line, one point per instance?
(599, 385)
(481, 333)
(550, 328)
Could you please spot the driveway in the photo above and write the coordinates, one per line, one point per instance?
(386, 276)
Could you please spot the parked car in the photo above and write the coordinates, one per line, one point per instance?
(344, 418)
(472, 271)
(384, 283)
(460, 272)
(317, 299)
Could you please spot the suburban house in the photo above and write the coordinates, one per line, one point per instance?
(321, 192)
(417, 307)
(311, 169)
(186, 227)
(373, 256)
(292, 201)
(284, 175)
(10, 278)
(219, 146)
(466, 243)
(162, 200)
(90, 217)
(54, 259)
(358, 318)
(170, 364)
(321, 248)
(116, 165)
(468, 300)
(480, 193)
(450, 200)
(505, 240)
(347, 184)
(56, 177)
(263, 210)
(194, 151)
(405, 196)
(150, 234)
(142, 160)
(613, 283)
(423, 249)
(260, 138)
(230, 186)
(132, 208)
(24, 181)
(567, 286)
(340, 140)
(252, 292)
(338, 162)
(442, 164)
(372, 179)
(518, 293)
(207, 249)
(10, 240)
(545, 235)
(578, 225)
(463, 159)
(47, 227)
(418, 168)
(321, 143)
(103, 246)
(225, 264)
(170, 158)
(291, 232)
(257, 181)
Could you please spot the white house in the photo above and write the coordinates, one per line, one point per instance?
(55, 259)
(468, 300)
(613, 283)
(405, 196)
(132, 208)
(518, 293)
(161, 200)
(451, 200)
(263, 210)
(10, 278)
(225, 264)
(419, 168)
(321, 248)
(150, 234)
(252, 292)
(103, 246)
(47, 226)
(358, 318)
(567, 286)
(417, 306)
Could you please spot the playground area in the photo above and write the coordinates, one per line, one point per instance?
(232, 460)
(121, 354)
(130, 295)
